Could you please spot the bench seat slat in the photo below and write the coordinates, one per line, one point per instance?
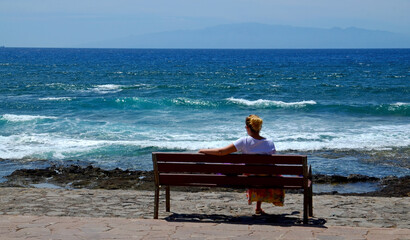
(223, 180)
(229, 168)
(232, 158)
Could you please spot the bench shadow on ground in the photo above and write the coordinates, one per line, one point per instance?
(266, 219)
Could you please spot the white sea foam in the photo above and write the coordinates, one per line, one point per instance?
(192, 102)
(62, 86)
(42, 146)
(114, 88)
(400, 104)
(24, 118)
(107, 88)
(49, 146)
(131, 99)
(366, 138)
(299, 134)
(267, 103)
(46, 146)
(312, 136)
(56, 99)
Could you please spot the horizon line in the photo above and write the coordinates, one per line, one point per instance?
(154, 48)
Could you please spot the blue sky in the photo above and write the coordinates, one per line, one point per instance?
(53, 23)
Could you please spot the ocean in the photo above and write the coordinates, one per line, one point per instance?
(347, 109)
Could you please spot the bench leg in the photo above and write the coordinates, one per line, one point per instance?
(305, 207)
(156, 202)
(311, 202)
(310, 185)
(168, 200)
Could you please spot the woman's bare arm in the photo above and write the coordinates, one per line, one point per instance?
(219, 151)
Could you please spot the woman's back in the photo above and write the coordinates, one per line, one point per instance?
(250, 145)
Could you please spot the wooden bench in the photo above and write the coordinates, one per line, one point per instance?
(193, 169)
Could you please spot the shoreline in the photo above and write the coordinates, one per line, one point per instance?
(77, 177)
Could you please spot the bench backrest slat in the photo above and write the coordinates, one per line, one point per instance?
(229, 168)
(231, 158)
(230, 181)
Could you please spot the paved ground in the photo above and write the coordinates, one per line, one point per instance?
(107, 214)
(43, 227)
(219, 207)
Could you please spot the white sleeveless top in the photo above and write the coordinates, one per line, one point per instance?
(250, 145)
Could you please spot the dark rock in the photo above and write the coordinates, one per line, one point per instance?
(352, 178)
(396, 187)
(78, 177)
(332, 179)
(96, 178)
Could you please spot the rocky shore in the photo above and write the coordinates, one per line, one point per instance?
(76, 177)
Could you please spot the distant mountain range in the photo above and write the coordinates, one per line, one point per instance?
(255, 35)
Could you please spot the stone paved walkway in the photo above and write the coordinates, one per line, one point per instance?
(106, 214)
(72, 228)
(329, 210)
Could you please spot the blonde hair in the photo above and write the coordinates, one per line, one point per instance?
(254, 122)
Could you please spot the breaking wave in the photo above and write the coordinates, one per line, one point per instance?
(270, 103)
(23, 118)
(56, 99)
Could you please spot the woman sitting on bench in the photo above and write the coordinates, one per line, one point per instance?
(253, 144)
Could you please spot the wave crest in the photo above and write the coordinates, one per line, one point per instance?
(270, 103)
(56, 99)
(191, 102)
(24, 118)
(115, 88)
(400, 104)
(107, 88)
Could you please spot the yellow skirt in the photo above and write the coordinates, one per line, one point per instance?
(275, 196)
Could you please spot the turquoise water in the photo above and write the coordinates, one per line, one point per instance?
(348, 110)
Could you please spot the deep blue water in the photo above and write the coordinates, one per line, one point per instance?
(348, 110)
